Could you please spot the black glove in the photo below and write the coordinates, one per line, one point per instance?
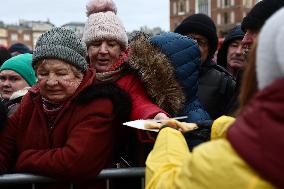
(200, 135)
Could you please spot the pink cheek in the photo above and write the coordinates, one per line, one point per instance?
(41, 81)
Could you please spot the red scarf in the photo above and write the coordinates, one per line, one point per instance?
(122, 58)
(114, 71)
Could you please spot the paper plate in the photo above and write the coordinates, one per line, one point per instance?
(139, 124)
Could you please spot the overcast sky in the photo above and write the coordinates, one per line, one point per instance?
(133, 13)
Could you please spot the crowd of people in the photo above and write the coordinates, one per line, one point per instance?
(63, 105)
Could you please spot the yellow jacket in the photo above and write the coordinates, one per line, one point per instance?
(213, 164)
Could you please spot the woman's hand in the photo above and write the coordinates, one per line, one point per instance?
(168, 122)
(161, 116)
(181, 126)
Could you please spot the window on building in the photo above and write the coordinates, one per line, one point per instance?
(187, 8)
(247, 3)
(232, 17)
(14, 37)
(3, 42)
(219, 3)
(27, 37)
(226, 18)
(219, 21)
(203, 6)
(226, 3)
(232, 2)
(174, 8)
(181, 7)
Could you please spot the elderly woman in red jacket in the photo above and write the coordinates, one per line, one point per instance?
(107, 44)
(108, 49)
(60, 130)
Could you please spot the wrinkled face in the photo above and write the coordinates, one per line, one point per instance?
(11, 81)
(249, 39)
(203, 45)
(235, 56)
(103, 54)
(57, 79)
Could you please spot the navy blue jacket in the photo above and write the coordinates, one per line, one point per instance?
(184, 56)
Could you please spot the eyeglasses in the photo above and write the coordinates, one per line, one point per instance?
(201, 42)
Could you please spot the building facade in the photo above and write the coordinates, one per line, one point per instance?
(3, 35)
(37, 28)
(225, 13)
(19, 34)
(77, 27)
(25, 32)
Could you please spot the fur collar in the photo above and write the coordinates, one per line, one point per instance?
(157, 75)
(120, 99)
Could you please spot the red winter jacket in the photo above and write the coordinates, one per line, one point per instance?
(77, 148)
(142, 106)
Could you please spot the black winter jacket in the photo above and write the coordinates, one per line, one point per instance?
(216, 88)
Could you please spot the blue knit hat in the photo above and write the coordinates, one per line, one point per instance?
(22, 64)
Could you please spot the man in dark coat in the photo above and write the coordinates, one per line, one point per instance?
(230, 55)
(216, 85)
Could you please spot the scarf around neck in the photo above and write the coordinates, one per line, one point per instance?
(115, 70)
(51, 109)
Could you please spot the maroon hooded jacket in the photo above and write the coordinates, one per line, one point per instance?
(258, 133)
(77, 148)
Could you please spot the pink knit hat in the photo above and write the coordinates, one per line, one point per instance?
(103, 23)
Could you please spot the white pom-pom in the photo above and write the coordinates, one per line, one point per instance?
(95, 6)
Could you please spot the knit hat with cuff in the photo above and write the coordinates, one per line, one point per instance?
(21, 64)
(64, 44)
(260, 13)
(200, 24)
(103, 23)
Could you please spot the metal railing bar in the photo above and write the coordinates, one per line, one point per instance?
(107, 184)
(18, 178)
(122, 173)
(142, 182)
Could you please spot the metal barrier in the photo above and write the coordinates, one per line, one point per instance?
(106, 174)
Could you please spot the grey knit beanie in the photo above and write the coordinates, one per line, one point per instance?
(270, 56)
(63, 44)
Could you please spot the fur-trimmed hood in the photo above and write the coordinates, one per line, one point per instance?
(156, 74)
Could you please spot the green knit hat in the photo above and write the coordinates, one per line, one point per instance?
(22, 64)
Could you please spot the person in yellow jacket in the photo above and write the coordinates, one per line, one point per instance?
(213, 164)
(243, 153)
